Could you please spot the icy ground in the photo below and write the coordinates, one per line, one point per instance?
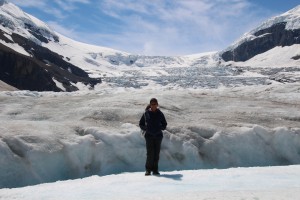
(48, 136)
(234, 117)
(276, 183)
(204, 77)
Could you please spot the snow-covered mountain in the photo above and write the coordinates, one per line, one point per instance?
(35, 57)
(27, 62)
(280, 31)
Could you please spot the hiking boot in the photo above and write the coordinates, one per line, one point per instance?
(148, 173)
(156, 173)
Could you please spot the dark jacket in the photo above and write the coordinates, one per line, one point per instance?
(153, 123)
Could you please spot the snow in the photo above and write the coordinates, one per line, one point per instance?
(6, 87)
(242, 183)
(58, 136)
(291, 17)
(101, 61)
(59, 84)
(15, 20)
(276, 57)
(15, 47)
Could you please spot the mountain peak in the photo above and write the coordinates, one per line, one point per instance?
(295, 10)
(279, 31)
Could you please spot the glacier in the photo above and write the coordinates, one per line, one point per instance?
(48, 136)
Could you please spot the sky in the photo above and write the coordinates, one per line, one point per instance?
(157, 27)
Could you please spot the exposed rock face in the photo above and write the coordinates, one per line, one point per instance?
(265, 40)
(37, 72)
(24, 73)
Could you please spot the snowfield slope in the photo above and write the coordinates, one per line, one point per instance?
(6, 87)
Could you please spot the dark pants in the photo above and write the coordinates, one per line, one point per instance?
(153, 149)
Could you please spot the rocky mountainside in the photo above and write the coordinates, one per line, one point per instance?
(282, 30)
(24, 61)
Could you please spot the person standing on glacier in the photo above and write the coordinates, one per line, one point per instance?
(153, 122)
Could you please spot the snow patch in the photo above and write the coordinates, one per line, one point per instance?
(15, 47)
(59, 84)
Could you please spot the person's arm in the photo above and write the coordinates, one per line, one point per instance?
(142, 123)
(163, 122)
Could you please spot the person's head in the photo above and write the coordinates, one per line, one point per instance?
(153, 104)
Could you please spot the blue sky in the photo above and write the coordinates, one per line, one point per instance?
(156, 27)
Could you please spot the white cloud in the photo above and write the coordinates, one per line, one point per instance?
(45, 5)
(179, 26)
(67, 31)
(30, 3)
(70, 5)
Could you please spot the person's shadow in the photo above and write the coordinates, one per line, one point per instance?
(176, 177)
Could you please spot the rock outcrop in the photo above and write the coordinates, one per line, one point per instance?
(39, 71)
(266, 39)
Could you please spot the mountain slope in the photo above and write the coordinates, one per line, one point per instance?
(26, 63)
(6, 87)
(279, 31)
